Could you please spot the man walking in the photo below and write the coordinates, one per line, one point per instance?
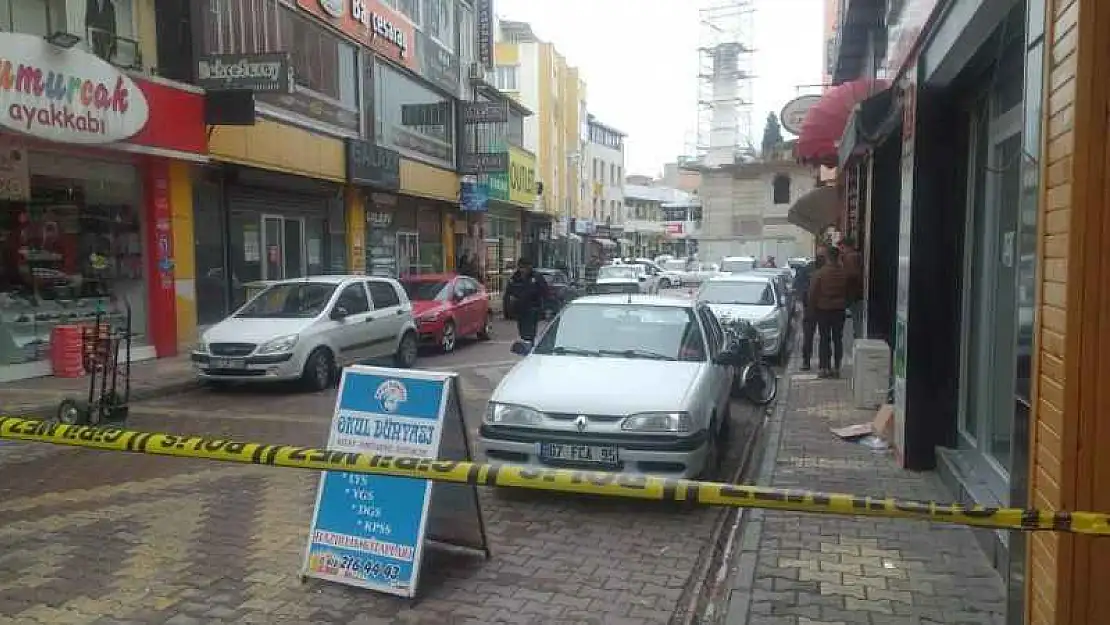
(828, 297)
(802, 281)
(524, 298)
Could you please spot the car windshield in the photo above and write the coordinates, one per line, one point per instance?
(736, 265)
(736, 292)
(621, 272)
(625, 331)
(675, 265)
(425, 290)
(290, 300)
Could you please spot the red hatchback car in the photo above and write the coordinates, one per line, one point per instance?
(447, 306)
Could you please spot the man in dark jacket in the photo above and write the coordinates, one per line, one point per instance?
(524, 298)
(828, 297)
(802, 281)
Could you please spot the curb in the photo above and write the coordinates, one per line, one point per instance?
(48, 411)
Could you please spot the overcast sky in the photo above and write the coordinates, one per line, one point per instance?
(640, 61)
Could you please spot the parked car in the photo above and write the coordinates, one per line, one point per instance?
(700, 272)
(785, 280)
(755, 298)
(675, 273)
(563, 290)
(622, 383)
(652, 270)
(621, 279)
(738, 264)
(447, 307)
(308, 329)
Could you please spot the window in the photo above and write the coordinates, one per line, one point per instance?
(383, 294)
(410, 8)
(439, 21)
(780, 188)
(612, 174)
(38, 18)
(324, 65)
(620, 175)
(353, 299)
(468, 38)
(296, 300)
(412, 118)
(506, 77)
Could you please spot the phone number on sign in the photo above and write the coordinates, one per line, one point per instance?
(367, 568)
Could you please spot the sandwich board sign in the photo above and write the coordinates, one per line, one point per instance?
(370, 531)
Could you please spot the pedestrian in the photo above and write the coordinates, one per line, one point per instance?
(802, 280)
(592, 269)
(853, 266)
(524, 298)
(828, 297)
(769, 263)
(467, 265)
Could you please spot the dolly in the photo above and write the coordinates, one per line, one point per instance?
(100, 351)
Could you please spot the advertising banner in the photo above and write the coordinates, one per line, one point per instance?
(373, 24)
(266, 72)
(369, 531)
(485, 33)
(522, 177)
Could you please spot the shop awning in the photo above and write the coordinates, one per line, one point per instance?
(825, 122)
(816, 210)
(606, 242)
(870, 124)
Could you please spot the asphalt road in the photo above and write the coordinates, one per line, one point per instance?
(99, 537)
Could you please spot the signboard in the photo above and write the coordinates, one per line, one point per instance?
(474, 196)
(372, 165)
(793, 115)
(485, 33)
(438, 65)
(485, 112)
(266, 72)
(497, 185)
(66, 95)
(369, 531)
(908, 87)
(673, 228)
(371, 23)
(522, 177)
(485, 163)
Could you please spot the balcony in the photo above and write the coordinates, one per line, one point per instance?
(850, 49)
(120, 51)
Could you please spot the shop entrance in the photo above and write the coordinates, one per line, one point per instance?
(283, 238)
(408, 253)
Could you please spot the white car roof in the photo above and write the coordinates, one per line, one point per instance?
(744, 277)
(326, 279)
(635, 300)
(739, 258)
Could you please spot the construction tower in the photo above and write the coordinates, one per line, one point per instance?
(725, 82)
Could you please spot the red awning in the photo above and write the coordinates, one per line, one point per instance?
(825, 121)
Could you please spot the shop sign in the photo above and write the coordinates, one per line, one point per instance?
(473, 196)
(522, 177)
(371, 23)
(485, 112)
(437, 64)
(673, 228)
(62, 95)
(485, 33)
(372, 165)
(266, 72)
(177, 122)
(15, 175)
(498, 186)
(793, 115)
(484, 163)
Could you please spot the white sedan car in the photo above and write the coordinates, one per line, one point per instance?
(623, 279)
(622, 383)
(753, 297)
(308, 329)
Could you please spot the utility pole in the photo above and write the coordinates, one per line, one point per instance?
(572, 162)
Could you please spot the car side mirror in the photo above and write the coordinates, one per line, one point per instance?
(339, 313)
(643, 278)
(521, 348)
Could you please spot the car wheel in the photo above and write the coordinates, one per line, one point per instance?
(319, 369)
(486, 333)
(405, 357)
(73, 412)
(448, 340)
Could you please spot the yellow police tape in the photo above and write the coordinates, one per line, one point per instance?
(563, 480)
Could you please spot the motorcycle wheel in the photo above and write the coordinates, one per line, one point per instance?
(762, 385)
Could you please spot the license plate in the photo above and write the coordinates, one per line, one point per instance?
(229, 363)
(590, 454)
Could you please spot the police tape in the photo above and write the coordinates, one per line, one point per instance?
(606, 484)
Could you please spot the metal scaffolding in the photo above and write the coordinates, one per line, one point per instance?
(725, 81)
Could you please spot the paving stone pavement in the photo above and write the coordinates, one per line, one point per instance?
(97, 537)
(807, 569)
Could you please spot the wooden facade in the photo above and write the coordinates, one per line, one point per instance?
(1066, 576)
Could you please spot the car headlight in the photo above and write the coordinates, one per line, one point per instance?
(201, 347)
(657, 422)
(278, 345)
(508, 414)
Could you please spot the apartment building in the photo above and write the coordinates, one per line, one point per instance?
(605, 178)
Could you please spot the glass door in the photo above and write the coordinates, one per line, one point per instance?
(283, 239)
(408, 253)
(272, 241)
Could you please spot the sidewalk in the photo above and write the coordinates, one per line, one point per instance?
(798, 569)
(39, 397)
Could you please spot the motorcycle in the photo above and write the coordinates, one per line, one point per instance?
(755, 380)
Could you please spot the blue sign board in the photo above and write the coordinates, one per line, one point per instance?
(475, 197)
(368, 530)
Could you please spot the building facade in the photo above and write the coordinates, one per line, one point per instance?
(745, 210)
(604, 159)
(659, 219)
(997, 125)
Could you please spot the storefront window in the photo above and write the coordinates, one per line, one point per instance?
(71, 247)
(429, 226)
(411, 118)
(324, 65)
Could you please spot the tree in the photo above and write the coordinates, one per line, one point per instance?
(772, 135)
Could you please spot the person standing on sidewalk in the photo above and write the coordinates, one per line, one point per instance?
(853, 266)
(524, 298)
(802, 281)
(592, 269)
(828, 298)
